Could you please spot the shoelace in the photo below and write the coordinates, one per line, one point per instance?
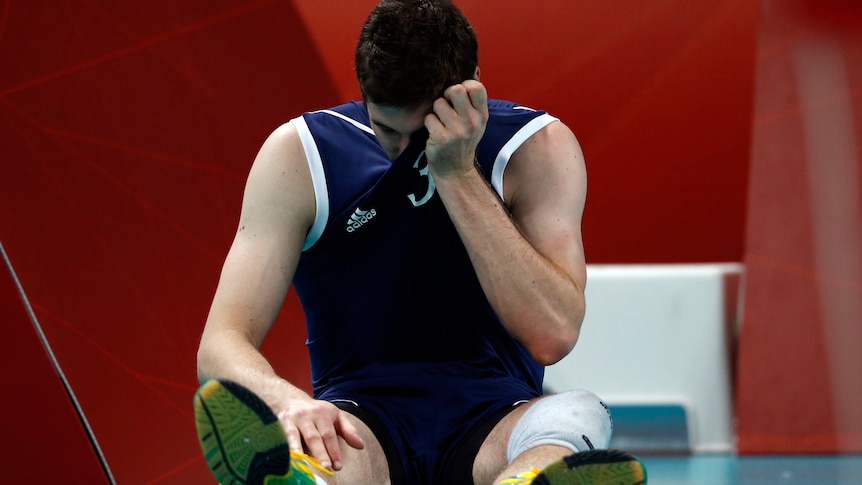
(525, 478)
(303, 461)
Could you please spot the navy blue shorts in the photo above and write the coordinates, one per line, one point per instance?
(429, 422)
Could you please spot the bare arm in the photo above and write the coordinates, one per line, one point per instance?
(278, 208)
(529, 257)
(259, 267)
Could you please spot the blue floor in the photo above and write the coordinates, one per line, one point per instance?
(727, 469)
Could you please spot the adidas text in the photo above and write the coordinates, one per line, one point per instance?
(359, 218)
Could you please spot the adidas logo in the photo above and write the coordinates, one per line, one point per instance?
(359, 218)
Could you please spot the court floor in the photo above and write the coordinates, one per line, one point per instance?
(728, 469)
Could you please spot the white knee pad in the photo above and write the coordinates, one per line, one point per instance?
(577, 420)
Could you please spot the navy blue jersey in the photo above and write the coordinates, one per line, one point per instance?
(384, 279)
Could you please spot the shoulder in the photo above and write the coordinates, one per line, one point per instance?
(283, 147)
(511, 124)
(537, 132)
(550, 160)
(551, 137)
(278, 188)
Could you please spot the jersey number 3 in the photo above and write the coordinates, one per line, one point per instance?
(431, 186)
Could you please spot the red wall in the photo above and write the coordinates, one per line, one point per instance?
(127, 129)
(800, 379)
(127, 132)
(40, 419)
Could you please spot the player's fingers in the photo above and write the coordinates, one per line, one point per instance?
(444, 111)
(314, 443)
(432, 122)
(329, 438)
(478, 94)
(347, 431)
(294, 438)
(459, 99)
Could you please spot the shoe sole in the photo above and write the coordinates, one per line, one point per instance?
(241, 438)
(596, 467)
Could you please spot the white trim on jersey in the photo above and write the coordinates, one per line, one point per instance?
(347, 119)
(513, 144)
(318, 181)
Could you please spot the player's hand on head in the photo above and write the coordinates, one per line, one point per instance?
(455, 127)
(314, 426)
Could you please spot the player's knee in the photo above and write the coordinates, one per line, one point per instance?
(577, 420)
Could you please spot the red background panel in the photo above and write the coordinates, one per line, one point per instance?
(41, 420)
(128, 130)
(800, 379)
(659, 94)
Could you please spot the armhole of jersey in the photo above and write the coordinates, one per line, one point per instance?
(318, 182)
(513, 144)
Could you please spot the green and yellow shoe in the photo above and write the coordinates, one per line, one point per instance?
(243, 441)
(594, 467)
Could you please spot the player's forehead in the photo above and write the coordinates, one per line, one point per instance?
(402, 120)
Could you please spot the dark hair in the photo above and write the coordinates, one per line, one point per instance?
(410, 51)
